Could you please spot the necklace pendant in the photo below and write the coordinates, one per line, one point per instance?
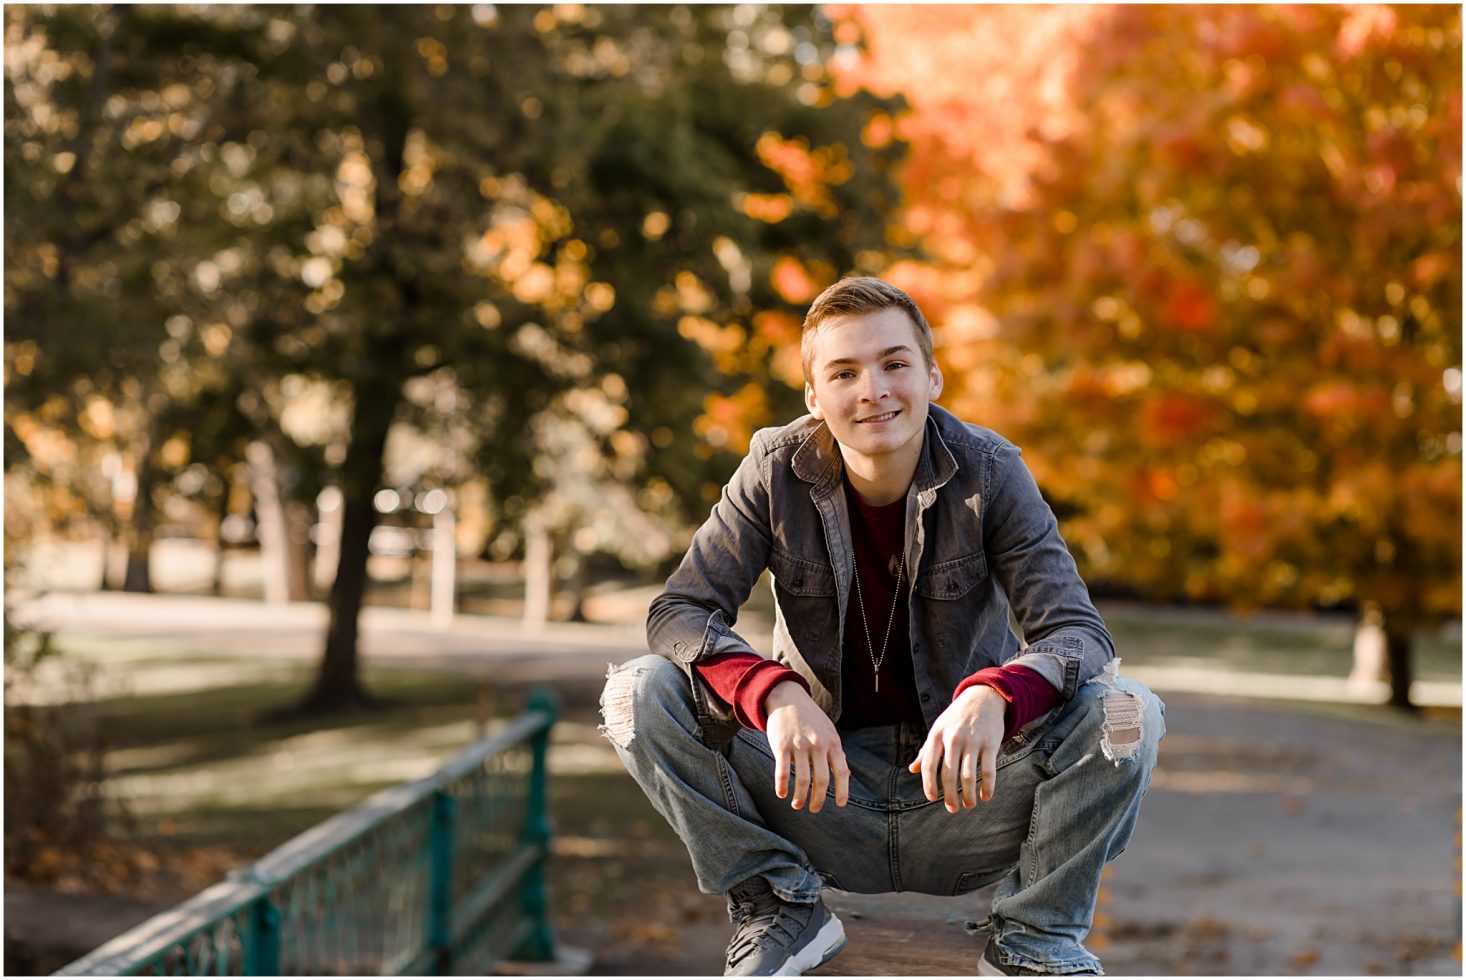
(878, 682)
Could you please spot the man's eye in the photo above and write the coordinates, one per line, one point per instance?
(895, 365)
(843, 375)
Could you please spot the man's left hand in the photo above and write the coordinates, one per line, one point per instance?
(960, 758)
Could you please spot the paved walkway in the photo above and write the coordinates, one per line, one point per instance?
(1272, 841)
(1275, 838)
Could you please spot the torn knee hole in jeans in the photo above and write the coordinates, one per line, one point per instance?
(1121, 739)
(616, 705)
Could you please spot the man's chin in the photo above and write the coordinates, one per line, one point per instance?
(874, 443)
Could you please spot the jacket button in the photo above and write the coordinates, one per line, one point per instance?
(925, 698)
(799, 583)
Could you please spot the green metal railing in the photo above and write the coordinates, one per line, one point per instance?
(440, 876)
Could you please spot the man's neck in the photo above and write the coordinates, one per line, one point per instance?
(881, 479)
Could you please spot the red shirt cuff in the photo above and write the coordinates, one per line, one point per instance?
(1028, 694)
(744, 680)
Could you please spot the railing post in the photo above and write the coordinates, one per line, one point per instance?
(539, 943)
(440, 882)
(262, 955)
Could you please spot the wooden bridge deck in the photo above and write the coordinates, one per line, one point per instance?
(907, 934)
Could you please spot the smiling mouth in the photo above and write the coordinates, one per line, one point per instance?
(879, 418)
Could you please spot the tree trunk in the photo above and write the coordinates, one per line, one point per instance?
(110, 538)
(579, 586)
(539, 571)
(139, 536)
(328, 548)
(445, 568)
(138, 577)
(376, 395)
(301, 553)
(222, 514)
(1397, 654)
(1370, 669)
(264, 484)
(338, 683)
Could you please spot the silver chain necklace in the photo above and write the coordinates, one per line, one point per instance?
(860, 602)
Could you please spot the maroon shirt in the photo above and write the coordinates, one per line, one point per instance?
(744, 680)
(878, 534)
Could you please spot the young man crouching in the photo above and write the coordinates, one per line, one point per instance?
(955, 755)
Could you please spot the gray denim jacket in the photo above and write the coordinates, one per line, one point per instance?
(978, 532)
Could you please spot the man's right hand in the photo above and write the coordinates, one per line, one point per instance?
(803, 736)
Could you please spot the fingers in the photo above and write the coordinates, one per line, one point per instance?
(841, 771)
(801, 779)
(960, 774)
(928, 762)
(989, 772)
(814, 776)
(819, 783)
(782, 762)
(970, 782)
(807, 767)
(950, 762)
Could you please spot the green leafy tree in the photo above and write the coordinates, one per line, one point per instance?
(126, 359)
(510, 221)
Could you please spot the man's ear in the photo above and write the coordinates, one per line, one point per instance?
(811, 402)
(937, 379)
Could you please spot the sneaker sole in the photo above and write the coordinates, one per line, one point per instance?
(986, 969)
(817, 952)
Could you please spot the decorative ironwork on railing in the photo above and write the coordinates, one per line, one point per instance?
(439, 876)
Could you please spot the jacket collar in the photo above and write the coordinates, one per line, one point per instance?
(817, 460)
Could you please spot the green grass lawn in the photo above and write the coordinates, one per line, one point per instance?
(198, 763)
(1312, 645)
(191, 742)
(206, 762)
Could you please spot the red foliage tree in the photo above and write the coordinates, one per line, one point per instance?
(1205, 265)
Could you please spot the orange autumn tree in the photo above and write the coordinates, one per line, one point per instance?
(985, 87)
(1214, 290)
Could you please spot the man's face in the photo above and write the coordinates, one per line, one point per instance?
(870, 384)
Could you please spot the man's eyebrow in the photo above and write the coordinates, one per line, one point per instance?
(880, 357)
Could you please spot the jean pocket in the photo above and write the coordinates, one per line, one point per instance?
(971, 881)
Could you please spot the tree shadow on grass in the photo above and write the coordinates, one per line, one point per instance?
(207, 726)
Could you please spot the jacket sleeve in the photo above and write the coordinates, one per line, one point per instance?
(1066, 641)
(692, 619)
(1027, 693)
(743, 680)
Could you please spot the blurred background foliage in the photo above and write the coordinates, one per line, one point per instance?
(520, 250)
(1203, 264)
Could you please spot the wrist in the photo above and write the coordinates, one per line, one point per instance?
(980, 692)
(782, 694)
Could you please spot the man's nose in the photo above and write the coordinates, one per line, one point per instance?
(874, 388)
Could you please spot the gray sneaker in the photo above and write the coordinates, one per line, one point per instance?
(988, 965)
(772, 937)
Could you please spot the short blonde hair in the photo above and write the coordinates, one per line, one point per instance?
(854, 296)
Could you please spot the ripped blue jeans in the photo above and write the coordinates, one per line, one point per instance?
(1068, 793)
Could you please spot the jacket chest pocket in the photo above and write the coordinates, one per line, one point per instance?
(805, 592)
(952, 580)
